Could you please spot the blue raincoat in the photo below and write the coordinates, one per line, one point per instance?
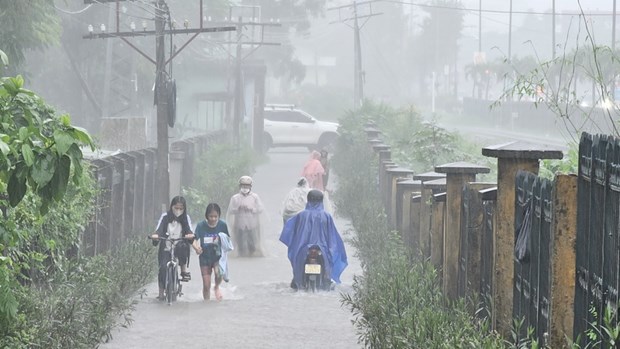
(314, 226)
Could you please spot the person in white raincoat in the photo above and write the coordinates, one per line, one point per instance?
(296, 199)
(243, 217)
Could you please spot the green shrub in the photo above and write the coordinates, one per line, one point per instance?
(50, 294)
(80, 306)
(217, 175)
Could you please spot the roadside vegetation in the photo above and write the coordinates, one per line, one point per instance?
(216, 176)
(51, 294)
(397, 302)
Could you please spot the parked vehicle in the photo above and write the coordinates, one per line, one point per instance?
(288, 126)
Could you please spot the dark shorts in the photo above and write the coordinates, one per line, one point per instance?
(209, 257)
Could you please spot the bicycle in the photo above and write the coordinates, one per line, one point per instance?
(173, 287)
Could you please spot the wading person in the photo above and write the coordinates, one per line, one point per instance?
(211, 234)
(173, 224)
(325, 163)
(313, 171)
(243, 217)
(296, 199)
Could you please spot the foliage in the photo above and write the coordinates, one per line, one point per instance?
(27, 25)
(397, 302)
(39, 150)
(81, 304)
(33, 245)
(417, 144)
(558, 83)
(548, 168)
(218, 177)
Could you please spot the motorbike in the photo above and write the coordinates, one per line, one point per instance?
(316, 276)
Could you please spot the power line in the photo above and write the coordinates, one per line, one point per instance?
(72, 12)
(497, 11)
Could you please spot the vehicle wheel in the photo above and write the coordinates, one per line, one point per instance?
(170, 284)
(327, 141)
(177, 284)
(312, 285)
(267, 142)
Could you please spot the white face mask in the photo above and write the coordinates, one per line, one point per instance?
(177, 212)
(245, 190)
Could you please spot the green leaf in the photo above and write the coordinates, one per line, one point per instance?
(63, 141)
(82, 135)
(27, 154)
(11, 85)
(4, 58)
(43, 170)
(16, 189)
(23, 133)
(61, 178)
(76, 159)
(4, 148)
(65, 120)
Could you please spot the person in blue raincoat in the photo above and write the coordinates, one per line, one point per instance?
(313, 226)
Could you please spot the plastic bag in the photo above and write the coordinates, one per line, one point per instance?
(522, 244)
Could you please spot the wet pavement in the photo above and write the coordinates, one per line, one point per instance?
(259, 310)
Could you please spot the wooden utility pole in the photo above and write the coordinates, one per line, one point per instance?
(256, 40)
(553, 29)
(358, 71)
(358, 84)
(162, 80)
(161, 99)
(510, 34)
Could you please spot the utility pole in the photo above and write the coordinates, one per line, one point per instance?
(162, 80)
(358, 82)
(358, 71)
(480, 27)
(613, 30)
(510, 34)
(239, 103)
(163, 148)
(238, 88)
(553, 29)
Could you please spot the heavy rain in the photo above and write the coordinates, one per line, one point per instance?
(309, 174)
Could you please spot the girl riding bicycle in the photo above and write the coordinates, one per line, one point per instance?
(173, 224)
(208, 244)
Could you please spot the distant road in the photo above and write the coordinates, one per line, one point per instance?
(491, 136)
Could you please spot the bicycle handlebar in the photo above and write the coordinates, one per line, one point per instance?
(166, 238)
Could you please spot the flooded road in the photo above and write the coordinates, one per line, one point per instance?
(259, 310)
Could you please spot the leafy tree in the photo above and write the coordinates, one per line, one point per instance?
(39, 154)
(38, 148)
(26, 25)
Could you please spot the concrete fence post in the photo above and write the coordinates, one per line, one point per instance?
(424, 217)
(458, 174)
(564, 237)
(433, 240)
(394, 175)
(405, 190)
(511, 157)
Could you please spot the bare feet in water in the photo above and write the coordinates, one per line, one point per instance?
(218, 294)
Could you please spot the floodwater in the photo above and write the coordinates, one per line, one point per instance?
(259, 310)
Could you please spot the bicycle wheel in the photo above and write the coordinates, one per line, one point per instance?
(170, 284)
(175, 283)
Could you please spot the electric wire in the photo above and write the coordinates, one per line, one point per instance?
(72, 12)
(498, 11)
